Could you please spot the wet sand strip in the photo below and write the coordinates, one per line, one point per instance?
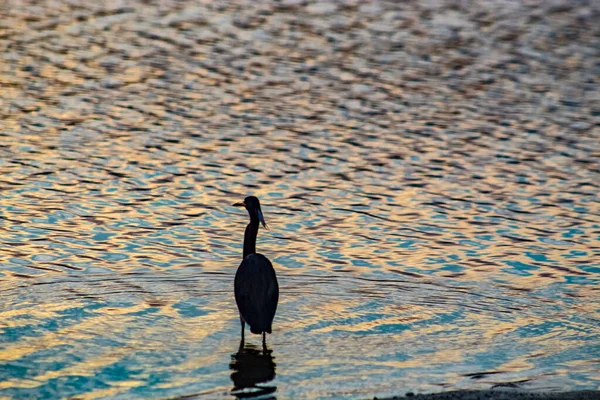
(501, 395)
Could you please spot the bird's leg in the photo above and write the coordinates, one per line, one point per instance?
(264, 339)
(243, 326)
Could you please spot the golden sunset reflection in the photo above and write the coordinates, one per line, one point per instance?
(428, 171)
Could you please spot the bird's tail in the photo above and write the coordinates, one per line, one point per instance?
(256, 331)
(259, 331)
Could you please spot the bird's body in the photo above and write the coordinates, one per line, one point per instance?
(256, 292)
(255, 286)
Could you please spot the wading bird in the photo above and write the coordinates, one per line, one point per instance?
(255, 286)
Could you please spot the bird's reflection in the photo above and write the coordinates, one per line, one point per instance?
(252, 367)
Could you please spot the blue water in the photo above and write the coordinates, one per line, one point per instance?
(430, 183)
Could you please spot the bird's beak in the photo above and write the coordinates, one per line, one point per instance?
(240, 204)
(262, 219)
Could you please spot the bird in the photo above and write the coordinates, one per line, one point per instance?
(255, 286)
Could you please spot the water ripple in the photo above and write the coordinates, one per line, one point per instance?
(429, 173)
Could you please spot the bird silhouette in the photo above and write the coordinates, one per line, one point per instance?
(255, 286)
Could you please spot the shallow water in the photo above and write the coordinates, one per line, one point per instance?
(429, 172)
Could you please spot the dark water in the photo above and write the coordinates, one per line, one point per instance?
(430, 173)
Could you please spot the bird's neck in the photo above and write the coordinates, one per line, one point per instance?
(250, 237)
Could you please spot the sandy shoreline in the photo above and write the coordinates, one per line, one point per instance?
(502, 395)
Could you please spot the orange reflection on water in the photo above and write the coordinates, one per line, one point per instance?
(433, 203)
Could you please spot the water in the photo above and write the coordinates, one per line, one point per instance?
(429, 173)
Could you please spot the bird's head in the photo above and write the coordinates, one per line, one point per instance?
(252, 204)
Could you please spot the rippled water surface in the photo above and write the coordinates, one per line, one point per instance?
(429, 171)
